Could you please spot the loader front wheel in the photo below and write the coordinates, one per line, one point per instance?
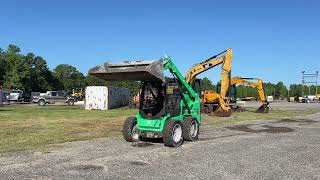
(130, 131)
(172, 133)
(190, 129)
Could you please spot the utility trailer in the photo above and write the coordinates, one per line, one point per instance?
(168, 109)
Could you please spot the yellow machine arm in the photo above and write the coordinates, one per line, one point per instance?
(224, 58)
(259, 85)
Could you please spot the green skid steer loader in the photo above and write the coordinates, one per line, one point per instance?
(169, 107)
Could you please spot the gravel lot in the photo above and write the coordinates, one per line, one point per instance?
(282, 149)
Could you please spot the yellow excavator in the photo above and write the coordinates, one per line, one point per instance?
(220, 101)
(78, 94)
(264, 108)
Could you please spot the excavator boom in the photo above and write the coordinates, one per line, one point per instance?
(224, 58)
(259, 85)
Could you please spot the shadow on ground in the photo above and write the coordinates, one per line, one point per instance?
(286, 120)
(267, 129)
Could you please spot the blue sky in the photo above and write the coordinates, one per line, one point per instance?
(273, 40)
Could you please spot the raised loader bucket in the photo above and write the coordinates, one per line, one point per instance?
(130, 70)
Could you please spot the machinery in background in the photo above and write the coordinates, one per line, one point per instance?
(169, 108)
(78, 94)
(264, 108)
(213, 102)
(135, 102)
(212, 97)
(249, 98)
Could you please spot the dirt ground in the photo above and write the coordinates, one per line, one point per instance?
(286, 148)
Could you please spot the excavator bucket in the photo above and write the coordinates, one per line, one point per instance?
(220, 112)
(130, 70)
(263, 109)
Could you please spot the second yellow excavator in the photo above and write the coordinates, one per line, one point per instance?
(220, 100)
(264, 108)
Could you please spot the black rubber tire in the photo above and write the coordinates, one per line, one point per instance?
(41, 102)
(186, 129)
(127, 129)
(70, 102)
(168, 133)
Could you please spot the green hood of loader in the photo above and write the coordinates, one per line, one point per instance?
(130, 70)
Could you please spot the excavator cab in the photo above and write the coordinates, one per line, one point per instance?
(232, 92)
(196, 86)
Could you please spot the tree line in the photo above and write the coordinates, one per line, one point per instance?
(30, 72)
(278, 90)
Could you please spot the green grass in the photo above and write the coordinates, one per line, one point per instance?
(250, 116)
(30, 127)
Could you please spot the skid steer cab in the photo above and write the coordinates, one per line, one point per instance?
(169, 107)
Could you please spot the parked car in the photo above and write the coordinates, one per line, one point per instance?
(34, 95)
(19, 96)
(4, 97)
(16, 95)
(52, 97)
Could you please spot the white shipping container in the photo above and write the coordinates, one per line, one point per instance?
(104, 98)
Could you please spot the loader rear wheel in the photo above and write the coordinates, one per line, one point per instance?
(190, 129)
(172, 133)
(130, 131)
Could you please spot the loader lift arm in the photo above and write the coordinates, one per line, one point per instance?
(224, 58)
(264, 108)
(190, 99)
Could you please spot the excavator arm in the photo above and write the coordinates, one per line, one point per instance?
(224, 58)
(259, 85)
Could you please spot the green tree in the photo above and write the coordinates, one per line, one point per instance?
(13, 49)
(295, 90)
(3, 68)
(281, 90)
(94, 81)
(41, 78)
(69, 77)
(206, 84)
(17, 69)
